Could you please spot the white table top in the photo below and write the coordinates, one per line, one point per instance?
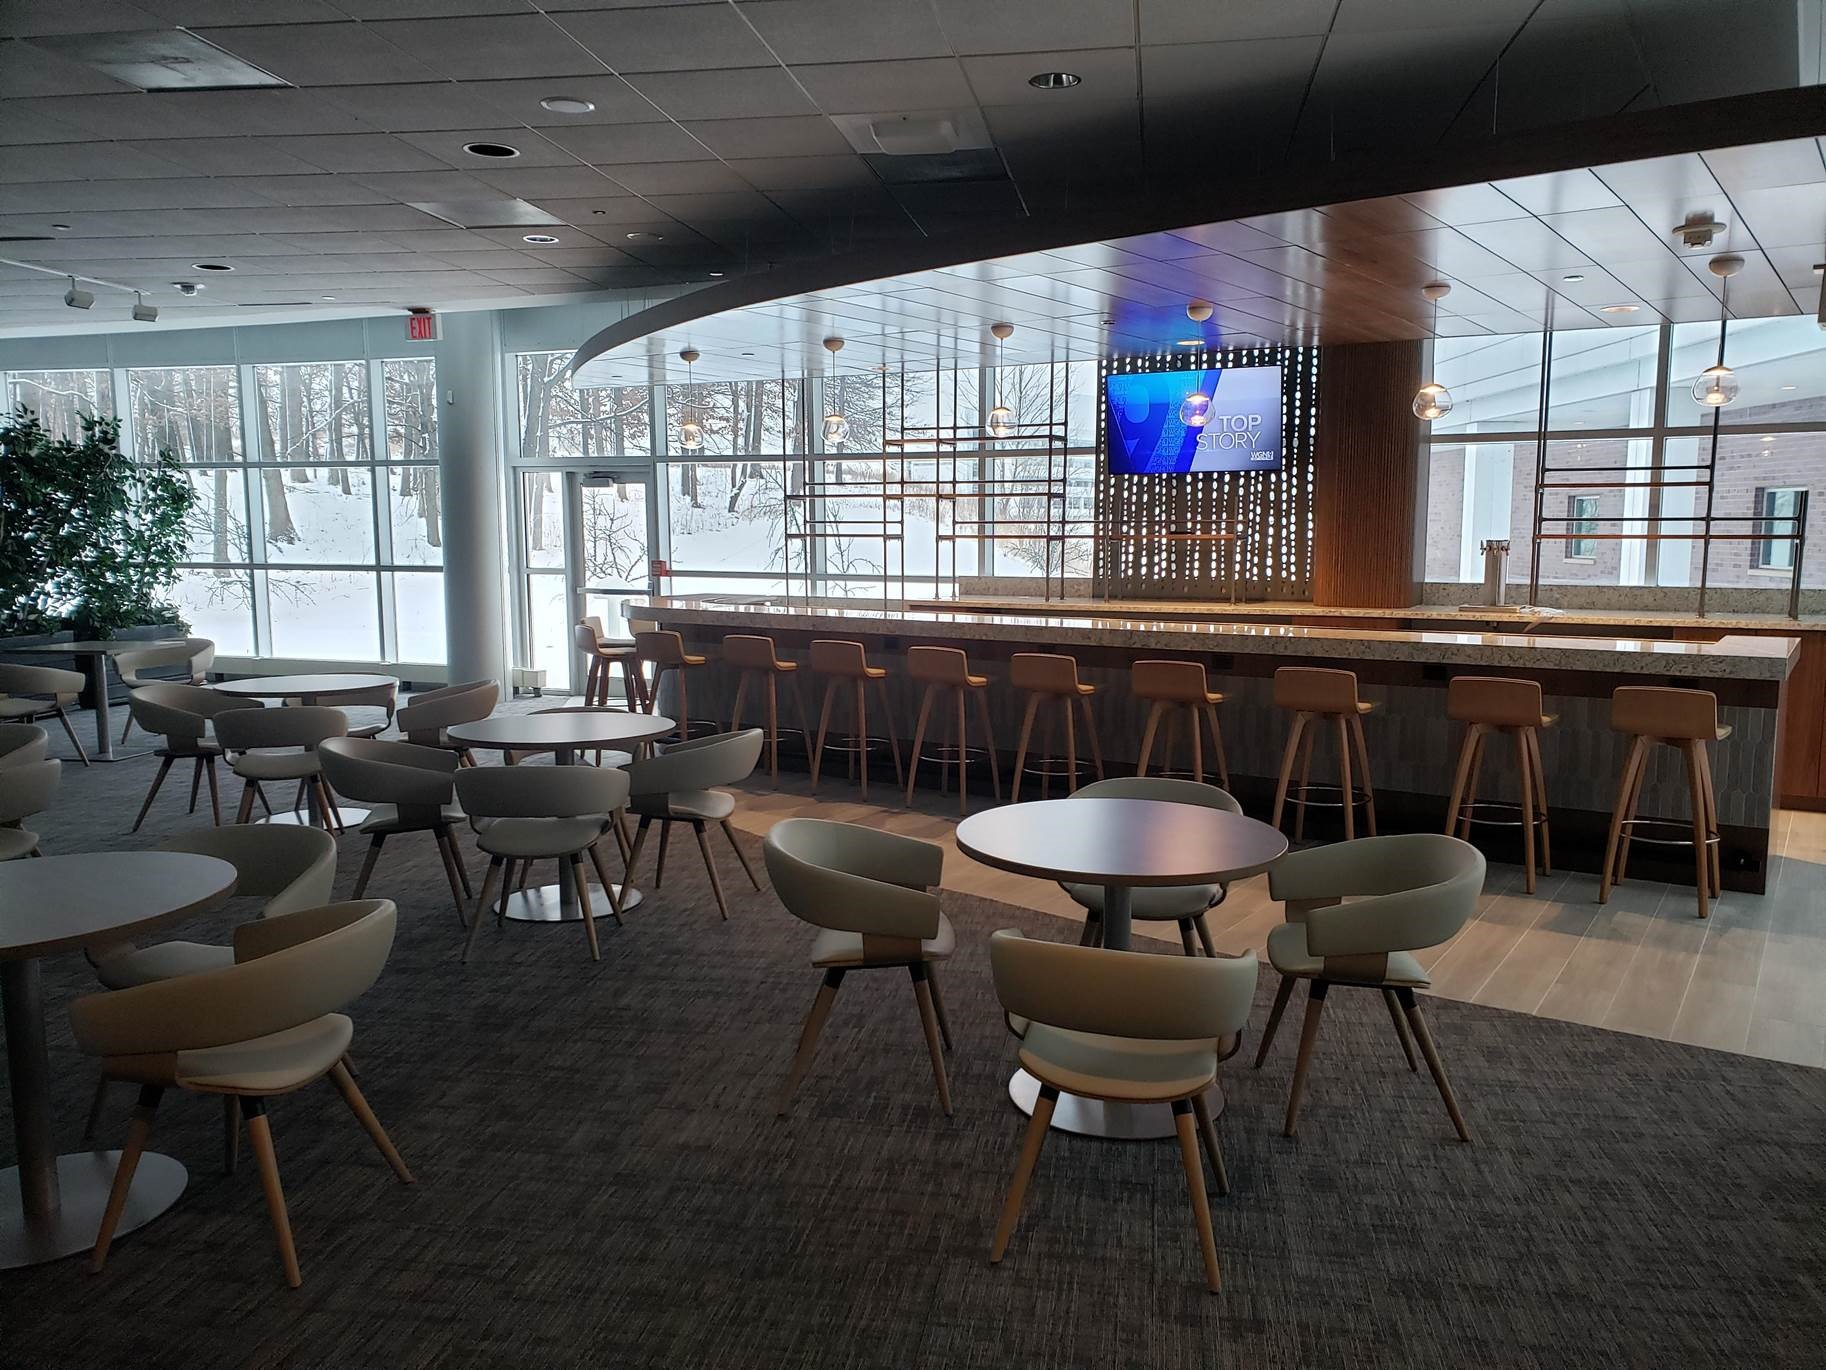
(99, 647)
(303, 686)
(57, 903)
(550, 732)
(1121, 842)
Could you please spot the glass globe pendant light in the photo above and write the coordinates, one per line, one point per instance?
(836, 426)
(690, 432)
(1433, 400)
(1717, 385)
(1001, 418)
(1195, 410)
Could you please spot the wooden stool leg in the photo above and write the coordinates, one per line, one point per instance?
(1612, 843)
(773, 730)
(887, 714)
(1217, 746)
(1090, 731)
(824, 723)
(1299, 812)
(1716, 848)
(1460, 775)
(1702, 855)
(1345, 788)
(1363, 773)
(741, 694)
(1071, 746)
(1635, 806)
(1048, 754)
(963, 739)
(862, 738)
(1287, 758)
(1198, 744)
(1147, 739)
(1540, 798)
(684, 704)
(1525, 769)
(1020, 750)
(995, 767)
(919, 737)
(1477, 771)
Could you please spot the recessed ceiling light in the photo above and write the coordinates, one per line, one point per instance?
(1190, 342)
(490, 150)
(1620, 308)
(1054, 80)
(1769, 439)
(645, 237)
(1571, 277)
(542, 238)
(716, 273)
(1788, 387)
(748, 354)
(210, 266)
(61, 228)
(188, 287)
(326, 297)
(566, 104)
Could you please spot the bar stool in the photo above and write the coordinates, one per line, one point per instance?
(948, 669)
(601, 656)
(847, 661)
(753, 655)
(1047, 676)
(664, 650)
(1314, 694)
(1496, 704)
(1685, 720)
(1175, 685)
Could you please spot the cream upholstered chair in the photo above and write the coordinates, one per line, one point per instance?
(262, 746)
(287, 866)
(868, 893)
(1124, 1026)
(382, 697)
(181, 715)
(1185, 905)
(1356, 913)
(679, 786)
(411, 789)
(523, 814)
(267, 1025)
(427, 715)
(194, 655)
(19, 683)
(24, 791)
(22, 743)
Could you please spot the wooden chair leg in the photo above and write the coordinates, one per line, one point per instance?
(1092, 935)
(1201, 1110)
(345, 1086)
(659, 865)
(1619, 813)
(1524, 766)
(919, 740)
(260, 1134)
(70, 732)
(938, 1006)
(246, 812)
(446, 848)
(928, 1019)
(1195, 1185)
(1363, 773)
(1287, 759)
(137, 1135)
(488, 885)
(215, 795)
(375, 843)
(456, 859)
(716, 884)
(1147, 737)
(152, 794)
(608, 885)
(231, 1134)
(1186, 937)
(574, 865)
(824, 726)
(1424, 1036)
(1203, 928)
(962, 739)
(1023, 1172)
(808, 1037)
(736, 847)
(196, 784)
(1282, 994)
(640, 841)
(1401, 1027)
(1309, 1036)
(96, 1105)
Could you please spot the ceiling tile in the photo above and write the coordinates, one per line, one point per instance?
(1767, 165)
(306, 190)
(447, 146)
(1558, 192)
(1015, 25)
(808, 136)
(673, 178)
(518, 101)
(21, 123)
(1175, 21)
(432, 185)
(600, 213)
(321, 54)
(359, 152)
(26, 70)
(224, 156)
(409, 107)
(1108, 74)
(505, 46)
(834, 31)
(631, 143)
(538, 183)
(80, 161)
(1786, 216)
(670, 38)
(805, 173)
(886, 87)
(735, 93)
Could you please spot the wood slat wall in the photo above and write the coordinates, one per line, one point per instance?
(1152, 531)
(1366, 473)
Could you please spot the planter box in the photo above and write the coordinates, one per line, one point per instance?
(117, 692)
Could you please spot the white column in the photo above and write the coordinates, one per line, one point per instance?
(470, 469)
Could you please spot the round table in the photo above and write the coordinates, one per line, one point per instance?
(62, 903)
(309, 688)
(1119, 844)
(564, 735)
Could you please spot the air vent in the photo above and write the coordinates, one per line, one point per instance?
(159, 59)
(272, 304)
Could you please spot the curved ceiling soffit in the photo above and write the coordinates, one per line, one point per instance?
(1740, 119)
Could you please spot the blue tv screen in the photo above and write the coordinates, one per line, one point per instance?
(1225, 419)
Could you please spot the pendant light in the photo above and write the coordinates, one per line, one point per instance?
(1001, 418)
(836, 426)
(1195, 409)
(690, 432)
(1717, 385)
(1433, 400)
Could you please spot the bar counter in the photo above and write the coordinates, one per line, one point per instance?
(1404, 672)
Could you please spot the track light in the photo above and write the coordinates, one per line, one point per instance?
(143, 312)
(76, 297)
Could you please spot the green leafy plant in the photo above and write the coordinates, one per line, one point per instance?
(89, 538)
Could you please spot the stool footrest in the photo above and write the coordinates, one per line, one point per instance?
(1631, 825)
(1467, 813)
(1298, 794)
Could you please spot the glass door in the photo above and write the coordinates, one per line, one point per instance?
(612, 536)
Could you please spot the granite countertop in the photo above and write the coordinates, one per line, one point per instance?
(1731, 658)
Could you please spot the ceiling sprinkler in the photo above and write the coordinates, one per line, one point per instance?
(1698, 230)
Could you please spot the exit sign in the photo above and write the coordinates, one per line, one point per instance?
(422, 327)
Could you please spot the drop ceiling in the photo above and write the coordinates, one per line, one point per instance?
(724, 137)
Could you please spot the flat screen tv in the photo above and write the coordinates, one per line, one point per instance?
(1224, 419)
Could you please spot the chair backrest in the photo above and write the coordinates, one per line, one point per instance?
(1496, 700)
(130, 664)
(21, 744)
(854, 879)
(290, 970)
(749, 652)
(1662, 711)
(28, 789)
(541, 791)
(38, 680)
(290, 865)
(181, 713)
(426, 715)
(1378, 895)
(1043, 673)
(370, 771)
(303, 726)
(1169, 682)
(586, 637)
(938, 665)
(700, 764)
(1122, 993)
(202, 656)
(661, 646)
(1315, 689)
(834, 656)
(1162, 789)
(373, 697)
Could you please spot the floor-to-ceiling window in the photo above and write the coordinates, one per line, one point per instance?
(316, 531)
(1628, 451)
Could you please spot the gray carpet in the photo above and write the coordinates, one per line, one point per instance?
(602, 1180)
